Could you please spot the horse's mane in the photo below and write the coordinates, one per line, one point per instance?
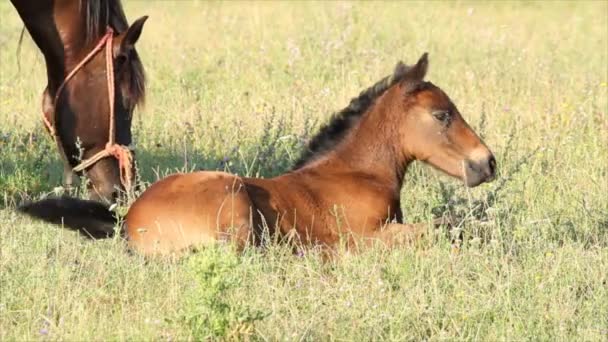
(101, 14)
(341, 122)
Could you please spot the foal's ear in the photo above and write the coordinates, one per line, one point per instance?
(418, 71)
(132, 34)
(414, 75)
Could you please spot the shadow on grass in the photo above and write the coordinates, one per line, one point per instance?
(31, 167)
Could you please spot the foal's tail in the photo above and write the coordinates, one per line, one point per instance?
(90, 218)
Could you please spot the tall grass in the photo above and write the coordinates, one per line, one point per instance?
(242, 86)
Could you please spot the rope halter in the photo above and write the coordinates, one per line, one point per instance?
(122, 153)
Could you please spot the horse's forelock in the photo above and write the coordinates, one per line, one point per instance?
(99, 15)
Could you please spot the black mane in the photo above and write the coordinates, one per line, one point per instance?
(341, 122)
(103, 13)
(99, 15)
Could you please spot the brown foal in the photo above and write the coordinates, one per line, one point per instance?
(346, 186)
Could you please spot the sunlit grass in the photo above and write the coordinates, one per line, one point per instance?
(241, 86)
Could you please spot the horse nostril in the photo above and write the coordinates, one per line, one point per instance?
(492, 165)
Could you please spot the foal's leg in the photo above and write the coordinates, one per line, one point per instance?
(397, 234)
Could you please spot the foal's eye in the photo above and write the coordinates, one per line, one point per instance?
(442, 116)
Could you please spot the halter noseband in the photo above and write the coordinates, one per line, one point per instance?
(120, 152)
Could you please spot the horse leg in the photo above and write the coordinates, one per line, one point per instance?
(68, 176)
(48, 111)
(397, 234)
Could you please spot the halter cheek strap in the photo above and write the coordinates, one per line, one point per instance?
(112, 149)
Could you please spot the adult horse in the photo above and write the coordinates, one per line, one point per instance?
(88, 47)
(347, 184)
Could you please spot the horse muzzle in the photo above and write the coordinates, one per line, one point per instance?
(479, 171)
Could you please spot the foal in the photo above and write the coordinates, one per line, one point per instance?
(347, 184)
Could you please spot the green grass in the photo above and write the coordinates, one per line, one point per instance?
(249, 83)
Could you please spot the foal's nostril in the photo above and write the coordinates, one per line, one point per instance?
(492, 165)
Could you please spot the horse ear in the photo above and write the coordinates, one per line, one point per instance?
(132, 34)
(414, 75)
(418, 71)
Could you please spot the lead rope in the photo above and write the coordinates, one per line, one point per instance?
(120, 152)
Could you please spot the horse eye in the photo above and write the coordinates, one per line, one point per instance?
(442, 116)
(120, 59)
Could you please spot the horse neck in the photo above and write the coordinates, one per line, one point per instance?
(70, 20)
(38, 18)
(58, 29)
(371, 147)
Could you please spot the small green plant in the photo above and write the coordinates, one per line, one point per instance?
(208, 312)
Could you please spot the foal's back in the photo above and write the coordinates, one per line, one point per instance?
(189, 209)
(322, 205)
(198, 208)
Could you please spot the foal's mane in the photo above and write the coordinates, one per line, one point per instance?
(101, 14)
(332, 133)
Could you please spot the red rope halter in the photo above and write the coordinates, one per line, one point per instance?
(120, 152)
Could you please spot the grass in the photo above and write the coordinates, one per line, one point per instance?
(241, 86)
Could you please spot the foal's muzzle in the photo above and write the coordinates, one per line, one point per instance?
(479, 171)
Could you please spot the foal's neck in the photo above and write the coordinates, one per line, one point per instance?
(372, 147)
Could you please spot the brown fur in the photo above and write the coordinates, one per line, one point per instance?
(65, 31)
(348, 193)
(332, 133)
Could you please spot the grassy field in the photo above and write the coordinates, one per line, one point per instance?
(240, 87)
